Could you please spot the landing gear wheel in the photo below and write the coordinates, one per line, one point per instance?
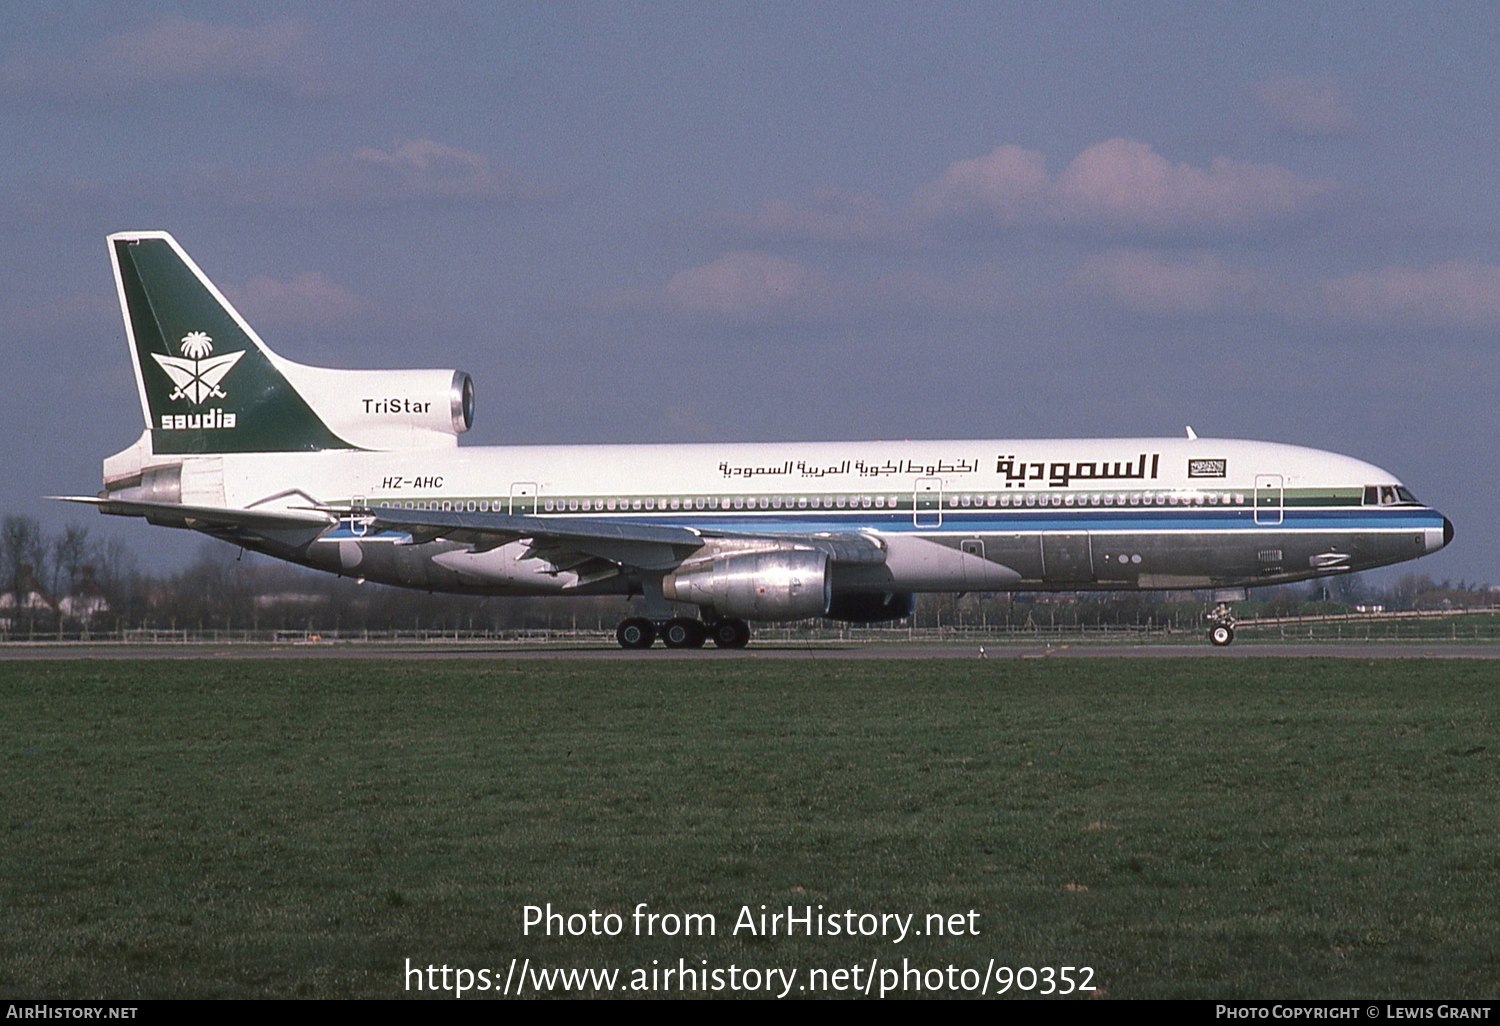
(683, 633)
(635, 632)
(730, 633)
(1220, 625)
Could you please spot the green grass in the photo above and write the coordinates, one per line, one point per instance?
(1247, 828)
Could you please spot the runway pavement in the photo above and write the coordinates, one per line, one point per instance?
(772, 650)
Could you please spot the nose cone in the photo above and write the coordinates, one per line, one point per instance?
(1447, 530)
(1436, 539)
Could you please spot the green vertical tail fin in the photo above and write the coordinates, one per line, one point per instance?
(207, 383)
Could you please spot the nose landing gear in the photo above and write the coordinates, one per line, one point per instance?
(1221, 625)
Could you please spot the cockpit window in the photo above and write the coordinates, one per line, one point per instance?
(1389, 495)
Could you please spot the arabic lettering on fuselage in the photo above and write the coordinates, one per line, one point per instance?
(729, 471)
(1060, 474)
(890, 467)
(860, 468)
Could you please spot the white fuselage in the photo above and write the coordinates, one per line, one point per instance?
(952, 515)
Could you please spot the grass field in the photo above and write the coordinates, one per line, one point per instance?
(1212, 828)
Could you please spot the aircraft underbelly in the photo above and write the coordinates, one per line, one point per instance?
(1046, 560)
(1087, 560)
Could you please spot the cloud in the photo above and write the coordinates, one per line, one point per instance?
(744, 286)
(420, 169)
(1150, 283)
(310, 300)
(1121, 187)
(1309, 107)
(276, 56)
(1010, 184)
(1458, 293)
(56, 202)
(1115, 188)
(412, 171)
(1124, 184)
(754, 287)
(83, 312)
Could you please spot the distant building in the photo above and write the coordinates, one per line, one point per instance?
(86, 601)
(29, 600)
(289, 598)
(83, 606)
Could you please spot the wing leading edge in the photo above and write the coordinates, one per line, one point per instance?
(566, 542)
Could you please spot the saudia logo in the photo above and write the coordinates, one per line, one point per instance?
(1059, 475)
(197, 376)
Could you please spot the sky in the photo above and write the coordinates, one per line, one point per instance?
(762, 222)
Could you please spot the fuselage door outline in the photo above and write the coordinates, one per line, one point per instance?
(1269, 496)
(927, 502)
(523, 499)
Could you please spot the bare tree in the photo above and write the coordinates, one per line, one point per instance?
(22, 549)
(70, 554)
(23, 552)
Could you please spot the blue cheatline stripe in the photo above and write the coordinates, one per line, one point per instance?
(1027, 521)
(989, 522)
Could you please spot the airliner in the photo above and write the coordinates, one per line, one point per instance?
(359, 473)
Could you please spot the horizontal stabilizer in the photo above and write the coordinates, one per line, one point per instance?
(285, 529)
(164, 512)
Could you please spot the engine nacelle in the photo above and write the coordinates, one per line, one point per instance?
(786, 585)
(387, 409)
(881, 608)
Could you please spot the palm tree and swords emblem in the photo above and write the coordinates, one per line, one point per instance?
(195, 373)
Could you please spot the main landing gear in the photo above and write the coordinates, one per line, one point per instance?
(635, 632)
(1221, 625)
(682, 632)
(730, 633)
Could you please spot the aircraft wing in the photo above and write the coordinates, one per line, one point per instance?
(568, 542)
(593, 547)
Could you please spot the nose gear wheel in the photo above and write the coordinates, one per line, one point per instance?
(1220, 625)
